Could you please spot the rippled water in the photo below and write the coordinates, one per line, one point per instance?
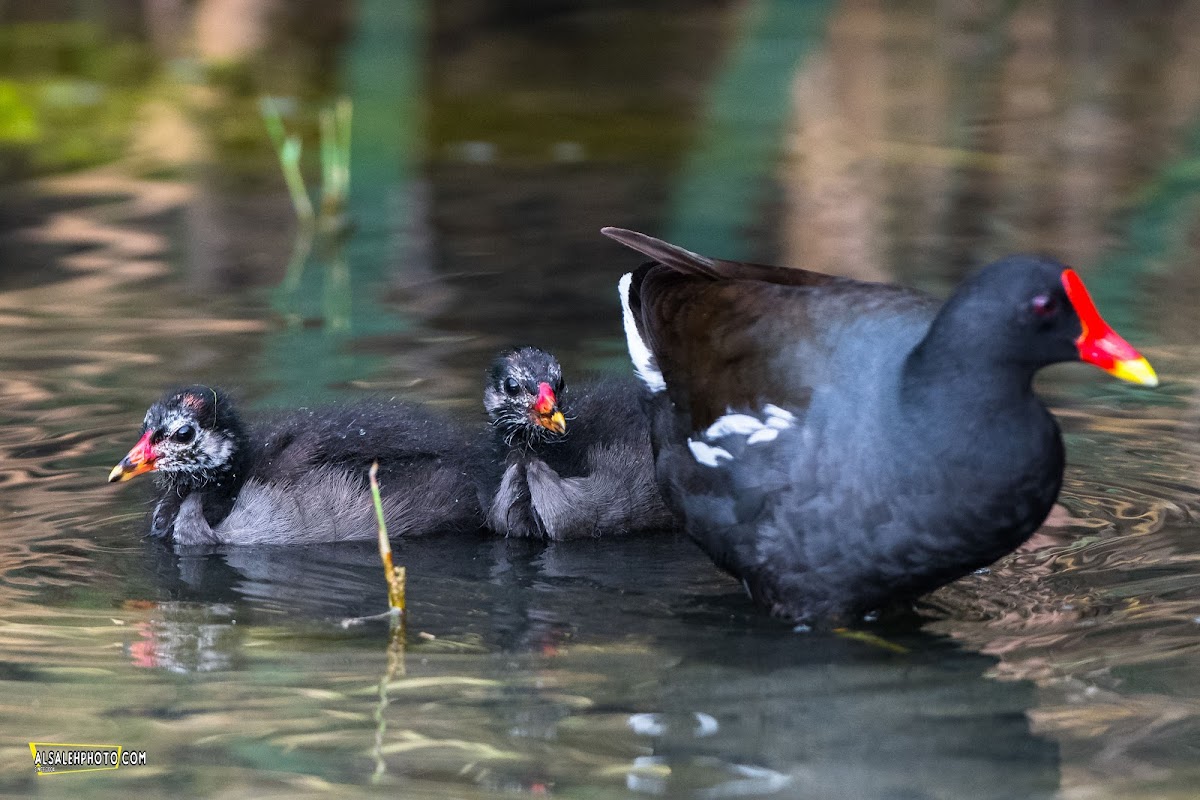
(896, 144)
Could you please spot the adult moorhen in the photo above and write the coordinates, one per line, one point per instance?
(301, 477)
(840, 445)
(576, 462)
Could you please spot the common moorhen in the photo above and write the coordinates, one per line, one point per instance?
(576, 462)
(841, 445)
(301, 477)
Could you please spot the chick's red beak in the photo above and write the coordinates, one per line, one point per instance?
(138, 460)
(546, 411)
(1099, 344)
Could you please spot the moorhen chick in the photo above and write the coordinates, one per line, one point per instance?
(576, 462)
(301, 477)
(839, 445)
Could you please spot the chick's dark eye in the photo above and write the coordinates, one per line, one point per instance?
(183, 434)
(511, 387)
(1044, 305)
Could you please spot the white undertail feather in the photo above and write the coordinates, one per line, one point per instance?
(643, 359)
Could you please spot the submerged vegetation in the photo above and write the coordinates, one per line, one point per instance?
(395, 575)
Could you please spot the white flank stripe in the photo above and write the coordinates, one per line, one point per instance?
(777, 414)
(643, 359)
(764, 434)
(708, 455)
(755, 430)
(742, 424)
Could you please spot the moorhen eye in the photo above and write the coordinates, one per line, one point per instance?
(1044, 305)
(183, 434)
(511, 387)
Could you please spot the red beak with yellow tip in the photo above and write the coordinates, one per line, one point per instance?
(1099, 344)
(546, 411)
(138, 460)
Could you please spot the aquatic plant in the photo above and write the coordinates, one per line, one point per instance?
(334, 149)
(395, 575)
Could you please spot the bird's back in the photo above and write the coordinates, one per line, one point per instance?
(308, 477)
(352, 436)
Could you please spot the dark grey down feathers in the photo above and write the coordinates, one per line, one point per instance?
(595, 479)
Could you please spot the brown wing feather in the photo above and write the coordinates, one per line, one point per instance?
(689, 263)
(714, 344)
(727, 334)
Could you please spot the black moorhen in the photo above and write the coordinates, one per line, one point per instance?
(301, 477)
(840, 445)
(576, 462)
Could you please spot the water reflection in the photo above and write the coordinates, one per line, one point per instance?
(185, 638)
(827, 717)
(532, 682)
